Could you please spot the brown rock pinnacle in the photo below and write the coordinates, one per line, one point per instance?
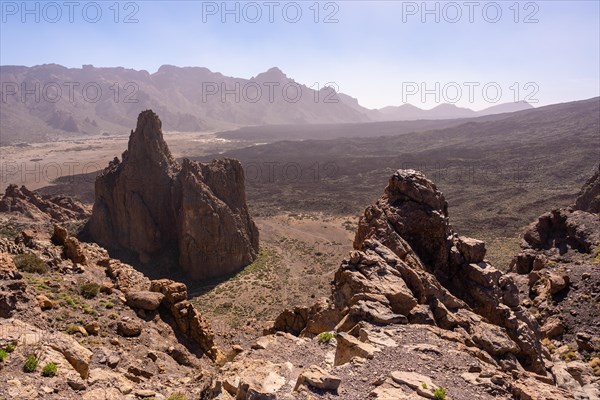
(148, 203)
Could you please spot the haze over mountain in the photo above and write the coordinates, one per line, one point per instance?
(408, 112)
(51, 101)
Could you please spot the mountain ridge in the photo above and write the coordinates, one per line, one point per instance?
(50, 101)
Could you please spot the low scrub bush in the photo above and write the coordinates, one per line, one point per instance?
(49, 369)
(30, 263)
(89, 290)
(31, 363)
(325, 337)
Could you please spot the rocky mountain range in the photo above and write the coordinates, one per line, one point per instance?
(408, 112)
(48, 102)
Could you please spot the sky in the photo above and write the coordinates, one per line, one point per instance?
(470, 53)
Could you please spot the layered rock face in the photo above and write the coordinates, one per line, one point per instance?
(410, 267)
(148, 203)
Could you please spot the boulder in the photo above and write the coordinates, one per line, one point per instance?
(472, 250)
(422, 384)
(316, 377)
(8, 269)
(44, 302)
(390, 390)
(557, 282)
(125, 277)
(349, 347)
(74, 251)
(144, 300)
(77, 355)
(247, 379)
(129, 328)
(92, 328)
(60, 235)
(174, 292)
(493, 339)
(553, 327)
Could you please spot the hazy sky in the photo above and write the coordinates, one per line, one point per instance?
(382, 53)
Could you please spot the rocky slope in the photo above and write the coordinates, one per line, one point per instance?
(558, 275)
(415, 312)
(21, 202)
(110, 332)
(148, 203)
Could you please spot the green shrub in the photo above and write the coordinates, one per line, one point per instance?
(49, 369)
(10, 347)
(31, 363)
(69, 300)
(439, 393)
(325, 337)
(570, 356)
(73, 329)
(89, 290)
(3, 355)
(30, 263)
(177, 396)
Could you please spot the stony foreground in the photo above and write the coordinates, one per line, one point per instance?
(416, 312)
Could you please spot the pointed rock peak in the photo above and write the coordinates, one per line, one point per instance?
(275, 71)
(146, 143)
(152, 205)
(149, 118)
(411, 184)
(273, 74)
(12, 191)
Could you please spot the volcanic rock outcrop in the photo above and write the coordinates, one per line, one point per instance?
(410, 267)
(149, 203)
(589, 197)
(41, 208)
(562, 233)
(559, 269)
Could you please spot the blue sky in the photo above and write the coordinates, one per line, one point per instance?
(376, 51)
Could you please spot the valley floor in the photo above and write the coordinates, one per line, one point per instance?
(298, 257)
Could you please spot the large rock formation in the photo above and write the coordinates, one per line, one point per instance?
(558, 277)
(563, 232)
(558, 267)
(589, 197)
(148, 203)
(410, 267)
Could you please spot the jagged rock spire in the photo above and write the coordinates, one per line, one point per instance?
(148, 203)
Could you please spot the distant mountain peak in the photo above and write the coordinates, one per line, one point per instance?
(449, 106)
(272, 74)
